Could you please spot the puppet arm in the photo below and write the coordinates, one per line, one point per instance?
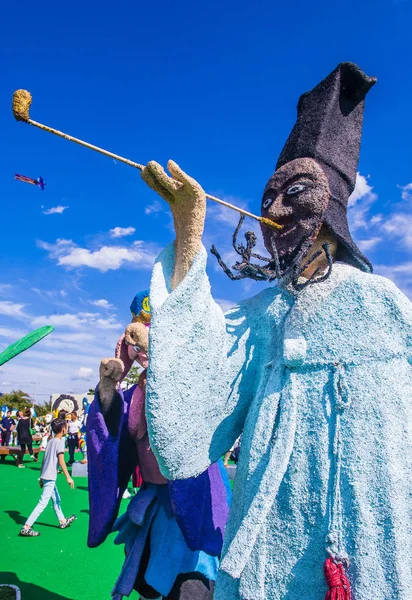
(201, 370)
(111, 370)
(187, 202)
(111, 451)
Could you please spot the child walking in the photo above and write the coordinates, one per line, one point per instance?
(53, 457)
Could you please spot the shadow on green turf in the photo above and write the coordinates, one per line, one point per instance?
(28, 590)
(19, 519)
(13, 464)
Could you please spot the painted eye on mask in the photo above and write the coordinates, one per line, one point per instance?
(137, 349)
(295, 189)
(267, 202)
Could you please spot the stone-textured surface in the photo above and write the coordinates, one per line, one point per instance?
(328, 129)
(300, 214)
(137, 334)
(111, 370)
(187, 202)
(21, 105)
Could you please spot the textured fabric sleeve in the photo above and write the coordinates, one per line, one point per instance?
(200, 374)
(111, 461)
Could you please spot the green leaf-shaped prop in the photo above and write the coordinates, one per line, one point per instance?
(24, 343)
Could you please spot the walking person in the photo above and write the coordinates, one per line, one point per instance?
(7, 426)
(74, 426)
(18, 416)
(53, 456)
(24, 437)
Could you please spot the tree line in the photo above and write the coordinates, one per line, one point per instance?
(19, 400)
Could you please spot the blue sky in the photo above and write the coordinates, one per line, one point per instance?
(213, 85)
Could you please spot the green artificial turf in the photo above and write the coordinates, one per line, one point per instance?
(57, 565)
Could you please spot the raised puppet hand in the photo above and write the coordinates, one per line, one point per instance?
(187, 201)
(111, 370)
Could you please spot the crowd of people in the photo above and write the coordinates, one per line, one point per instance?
(53, 436)
(23, 430)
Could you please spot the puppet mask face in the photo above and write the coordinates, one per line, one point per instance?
(296, 197)
(137, 341)
(67, 405)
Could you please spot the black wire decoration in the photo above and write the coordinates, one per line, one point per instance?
(245, 269)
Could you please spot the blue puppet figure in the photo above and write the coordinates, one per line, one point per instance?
(172, 531)
(86, 407)
(314, 372)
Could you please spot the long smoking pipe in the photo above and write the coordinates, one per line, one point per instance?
(22, 100)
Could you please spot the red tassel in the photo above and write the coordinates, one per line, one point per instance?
(338, 583)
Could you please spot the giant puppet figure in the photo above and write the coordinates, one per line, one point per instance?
(315, 372)
(172, 531)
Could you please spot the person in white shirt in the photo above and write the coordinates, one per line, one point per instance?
(73, 431)
(54, 457)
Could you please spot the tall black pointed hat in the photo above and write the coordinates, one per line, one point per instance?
(328, 129)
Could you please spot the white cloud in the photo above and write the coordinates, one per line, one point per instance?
(84, 373)
(55, 210)
(399, 226)
(107, 323)
(369, 244)
(118, 232)
(80, 340)
(376, 219)
(406, 192)
(77, 321)
(395, 226)
(403, 268)
(400, 274)
(105, 259)
(12, 309)
(359, 203)
(13, 334)
(224, 215)
(55, 297)
(102, 303)
(5, 288)
(66, 320)
(68, 254)
(69, 338)
(225, 305)
(155, 207)
(58, 248)
(362, 189)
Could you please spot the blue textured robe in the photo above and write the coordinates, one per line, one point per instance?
(320, 384)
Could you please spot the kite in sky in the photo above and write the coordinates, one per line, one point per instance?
(39, 181)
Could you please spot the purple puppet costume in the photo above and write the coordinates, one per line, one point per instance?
(172, 530)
